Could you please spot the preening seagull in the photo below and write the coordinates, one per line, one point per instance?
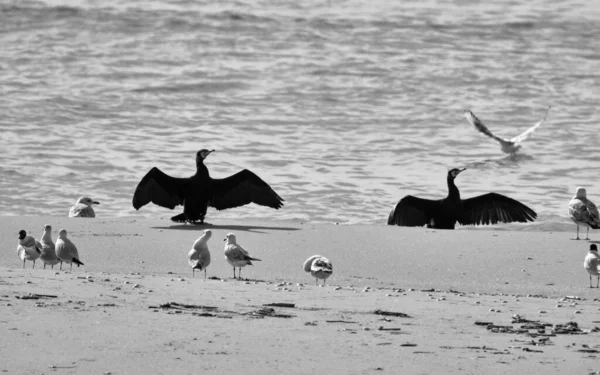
(48, 255)
(583, 212)
(28, 248)
(199, 256)
(509, 146)
(236, 255)
(200, 191)
(319, 267)
(592, 264)
(83, 208)
(66, 250)
(490, 208)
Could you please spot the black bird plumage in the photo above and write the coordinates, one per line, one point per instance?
(198, 192)
(490, 208)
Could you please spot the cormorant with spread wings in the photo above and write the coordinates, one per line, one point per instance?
(490, 208)
(200, 191)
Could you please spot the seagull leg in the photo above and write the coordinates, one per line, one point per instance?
(32, 267)
(61, 265)
(44, 265)
(234, 272)
(193, 272)
(240, 273)
(23, 263)
(205, 274)
(587, 234)
(577, 232)
(316, 281)
(71, 269)
(591, 281)
(597, 281)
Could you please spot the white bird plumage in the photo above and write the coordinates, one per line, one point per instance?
(66, 250)
(592, 264)
(83, 208)
(583, 212)
(319, 267)
(199, 256)
(509, 146)
(28, 248)
(48, 255)
(236, 255)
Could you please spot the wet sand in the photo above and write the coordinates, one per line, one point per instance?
(401, 300)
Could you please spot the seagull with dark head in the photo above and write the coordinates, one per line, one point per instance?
(490, 208)
(198, 192)
(509, 146)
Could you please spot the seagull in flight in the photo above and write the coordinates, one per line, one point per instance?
(509, 146)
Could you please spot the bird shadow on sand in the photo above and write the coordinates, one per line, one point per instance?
(247, 228)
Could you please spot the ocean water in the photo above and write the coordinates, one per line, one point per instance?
(343, 107)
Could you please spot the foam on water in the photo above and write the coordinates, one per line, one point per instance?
(343, 108)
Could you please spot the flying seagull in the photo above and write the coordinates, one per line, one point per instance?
(509, 146)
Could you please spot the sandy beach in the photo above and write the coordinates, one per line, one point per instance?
(400, 300)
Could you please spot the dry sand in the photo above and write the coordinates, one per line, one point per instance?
(134, 308)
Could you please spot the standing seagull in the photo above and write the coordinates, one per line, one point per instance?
(592, 264)
(509, 146)
(583, 212)
(490, 208)
(200, 191)
(83, 208)
(318, 266)
(28, 248)
(66, 250)
(199, 256)
(236, 255)
(48, 255)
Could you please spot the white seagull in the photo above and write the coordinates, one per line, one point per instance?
(592, 264)
(83, 208)
(28, 248)
(236, 255)
(318, 266)
(583, 212)
(66, 250)
(509, 146)
(48, 255)
(199, 256)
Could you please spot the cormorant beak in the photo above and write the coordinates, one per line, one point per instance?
(464, 169)
(94, 202)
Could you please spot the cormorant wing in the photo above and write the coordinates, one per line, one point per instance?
(159, 188)
(412, 212)
(493, 208)
(481, 127)
(523, 136)
(243, 188)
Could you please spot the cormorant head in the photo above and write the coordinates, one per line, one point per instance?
(87, 201)
(452, 173)
(202, 154)
(593, 247)
(580, 193)
(22, 234)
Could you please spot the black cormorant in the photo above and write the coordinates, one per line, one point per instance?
(489, 208)
(198, 192)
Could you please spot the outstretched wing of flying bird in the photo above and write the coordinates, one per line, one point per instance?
(159, 188)
(243, 188)
(412, 212)
(494, 208)
(523, 136)
(479, 125)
